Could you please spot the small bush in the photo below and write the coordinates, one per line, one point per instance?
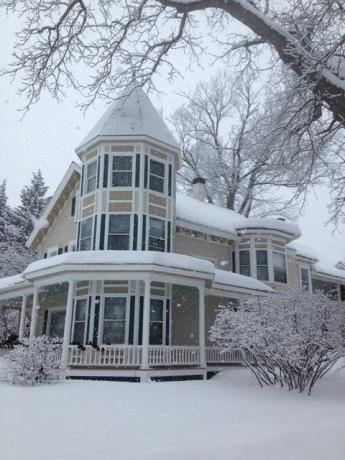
(35, 362)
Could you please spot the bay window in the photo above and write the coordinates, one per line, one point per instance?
(157, 235)
(91, 173)
(279, 267)
(86, 234)
(114, 326)
(262, 265)
(79, 326)
(122, 171)
(245, 263)
(119, 230)
(157, 173)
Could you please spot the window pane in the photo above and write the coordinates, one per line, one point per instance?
(262, 273)
(157, 168)
(57, 324)
(80, 310)
(261, 258)
(114, 332)
(279, 267)
(156, 184)
(156, 333)
(85, 244)
(245, 270)
(86, 228)
(91, 169)
(115, 308)
(118, 242)
(122, 179)
(79, 329)
(156, 244)
(244, 258)
(122, 163)
(157, 228)
(156, 310)
(119, 224)
(91, 185)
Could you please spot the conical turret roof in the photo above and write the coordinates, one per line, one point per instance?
(131, 116)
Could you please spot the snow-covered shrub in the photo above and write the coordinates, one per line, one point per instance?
(35, 362)
(290, 337)
(9, 320)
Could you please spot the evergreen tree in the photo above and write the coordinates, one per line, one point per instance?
(33, 202)
(9, 233)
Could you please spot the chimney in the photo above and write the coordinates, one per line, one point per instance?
(199, 189)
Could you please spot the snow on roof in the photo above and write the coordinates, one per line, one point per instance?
(11, 281)
(303, 250)
(207, 215)
(237, 280)
(210, 216)
(166, 259)
(131, 115)
(324, 269)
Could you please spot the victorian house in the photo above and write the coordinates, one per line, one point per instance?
(130, 273)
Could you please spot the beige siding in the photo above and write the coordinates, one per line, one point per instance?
(204, 249)
(63, 229)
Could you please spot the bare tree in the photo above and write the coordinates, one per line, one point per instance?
(247, 147)
(96, 48)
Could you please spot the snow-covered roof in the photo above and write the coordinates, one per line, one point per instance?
(241, 281)
(131, 115)
(323, 268)
(303, 250)
(209, 216)
(13, 282)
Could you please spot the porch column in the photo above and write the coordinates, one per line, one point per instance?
(146, 325)
(202, 326)
(68, 323)
(22, 318)
(33, 324)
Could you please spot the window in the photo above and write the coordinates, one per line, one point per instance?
(122, 171)
(91, 172)
(114, 327)
(86, 235)
(329, 289)
(80, 315)
(245, 263)
(305, 283)
(342, 292)
(156, 322)
(279, 267)
(157, 235)
(119, 229)
(73, 202)
(262, 265)
(157, 171)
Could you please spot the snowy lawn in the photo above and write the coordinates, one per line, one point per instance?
(228, 417)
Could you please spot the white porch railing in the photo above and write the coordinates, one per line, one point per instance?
(173, 356)
(215, 355)
(158, 355)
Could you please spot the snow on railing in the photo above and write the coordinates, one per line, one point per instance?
(105, 355)
(216, 355)
(173, 356)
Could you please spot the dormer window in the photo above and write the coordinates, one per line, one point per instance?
(91, 174)
(122, 171)
(157, 173)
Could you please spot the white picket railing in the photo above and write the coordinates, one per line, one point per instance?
(215, 355)
(158, 355)
(173, 356)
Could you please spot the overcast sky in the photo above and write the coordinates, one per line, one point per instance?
(47, 136)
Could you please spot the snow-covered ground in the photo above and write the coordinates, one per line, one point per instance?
(228, 417)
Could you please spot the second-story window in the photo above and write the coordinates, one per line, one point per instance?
(122, 171)
(157, 235)
(119, 230)
(245, 263)
(91, 174)
(305, 281)
(279, 267)
(86, 235)
(157, 172)
(262, 265)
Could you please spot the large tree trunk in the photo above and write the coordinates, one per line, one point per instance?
(325, 84)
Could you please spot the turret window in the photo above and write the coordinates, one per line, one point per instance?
(86, 235)
(91, 173)
(119, 230)
(122, 171)
(157, 235)
(157, 172)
